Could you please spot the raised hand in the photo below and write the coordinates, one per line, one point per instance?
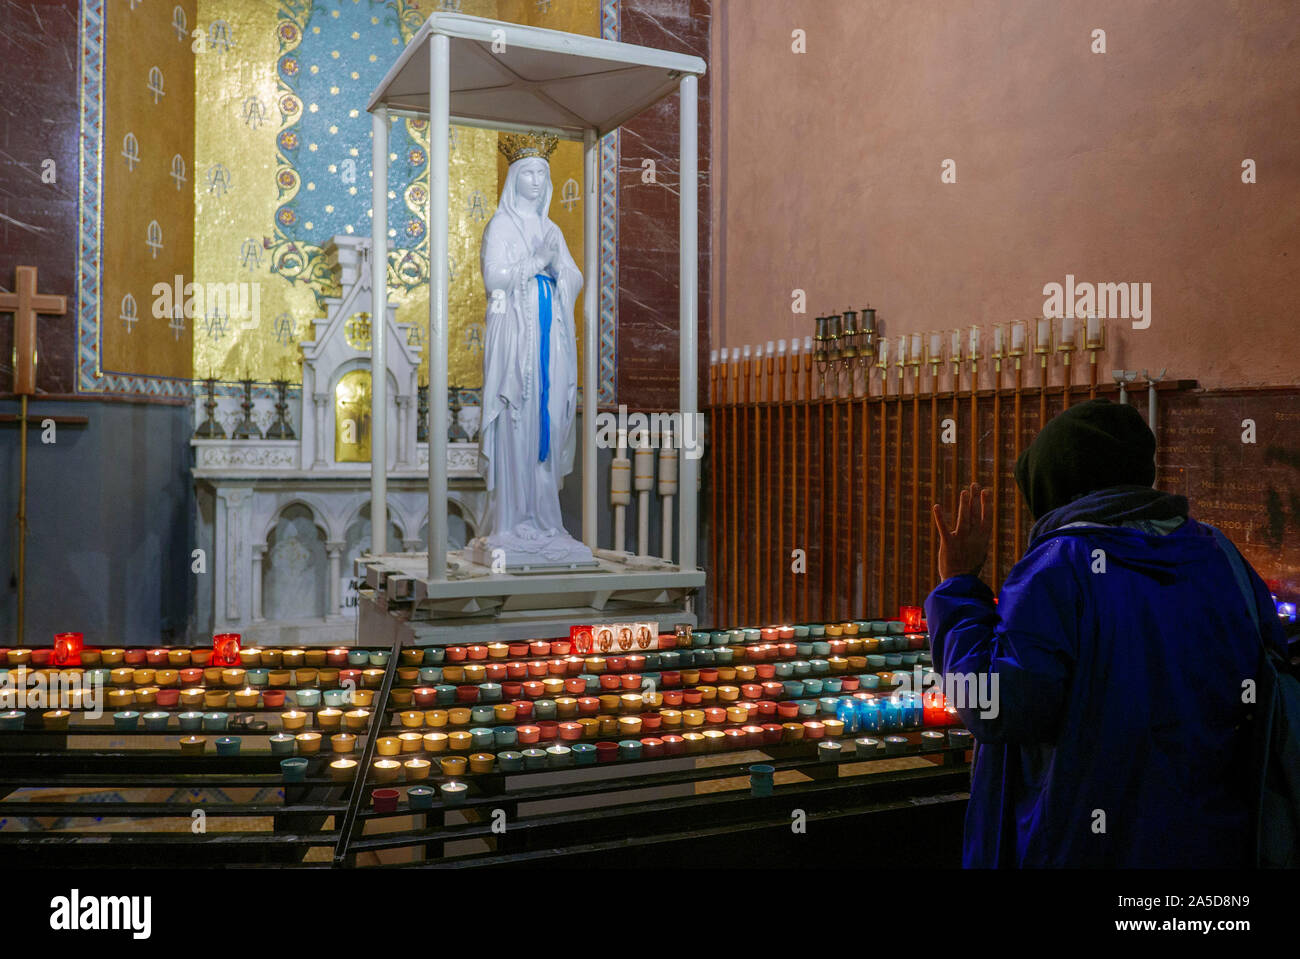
(963, 549)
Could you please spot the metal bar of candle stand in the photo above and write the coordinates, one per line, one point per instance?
(955, 491)
(898, 492)
(767, 499)
(974, 420)
(934, 458)
(997, 467)
(759, 465)
(348, 824)
(848, 497)
(805, 608)
(1018, 419)
(787, 582)
(833, 502)
(866, 484)
(779, 566)
(916, 474)
(733, 577)
(742, 501)
(713, 489)
(884, 489)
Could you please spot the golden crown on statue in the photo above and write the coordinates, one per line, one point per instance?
(516, 146)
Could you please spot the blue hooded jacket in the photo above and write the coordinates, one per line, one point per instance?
(1119, 652)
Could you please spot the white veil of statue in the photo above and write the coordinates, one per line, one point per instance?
(527, 435)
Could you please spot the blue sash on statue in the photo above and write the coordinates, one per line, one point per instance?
(544, 323)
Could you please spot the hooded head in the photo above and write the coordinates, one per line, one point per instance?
(1089, 447)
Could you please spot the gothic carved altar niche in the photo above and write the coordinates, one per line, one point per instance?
(284, 519)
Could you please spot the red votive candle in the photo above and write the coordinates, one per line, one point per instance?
(516, 670)
(528, 735)
(477, 652)
(169, 697)
(787, 710)
(539, 647)
(457, 654)
(561, 647)
(556, 667)
(495, 672)
(714, 715)
(770, 634)
(837, 647)
(548, 728)
(271, 698)
(570, 731)
(708, 675)
(575, 685)
(606, 752)
(588, 706)
(787, 632)
(672, 697)
(518, 650)
(533, 689)
(751, 690)
(423, 696)
(537, 668)
(735, 738)
(787, 650)
(573, 665)
(636, 663)
(616, 664)
(466, 694)
(766, 708)
(523, 708)
(156, 657)
(670, 678)
(773, 690)
(849, 684)
(610, 681)
(771, 733)
(765, 670)
(133, 657)
(336, 657)
(753, 735)
(631, 680)
(674, 745)
(352, 676)
(651, 721)
(692, 697)
(652, 748)
(813, 729)
(190, 676)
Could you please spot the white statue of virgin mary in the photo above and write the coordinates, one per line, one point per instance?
(527, 435)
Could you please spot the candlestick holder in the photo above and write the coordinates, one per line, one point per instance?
(824, 353)
(999, 351)
(934, 357)
(1045, 334)
(247, 428)
(210, 429)
(1016, 348)
(281, 429)
(955, 357)
(422, 414)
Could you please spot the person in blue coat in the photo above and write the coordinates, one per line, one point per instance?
(1117, 663)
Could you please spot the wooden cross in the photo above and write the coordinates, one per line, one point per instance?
(25, 304)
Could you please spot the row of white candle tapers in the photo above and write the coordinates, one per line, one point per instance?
(1043, 343)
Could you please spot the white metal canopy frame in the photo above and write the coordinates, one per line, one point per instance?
(486, 73)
